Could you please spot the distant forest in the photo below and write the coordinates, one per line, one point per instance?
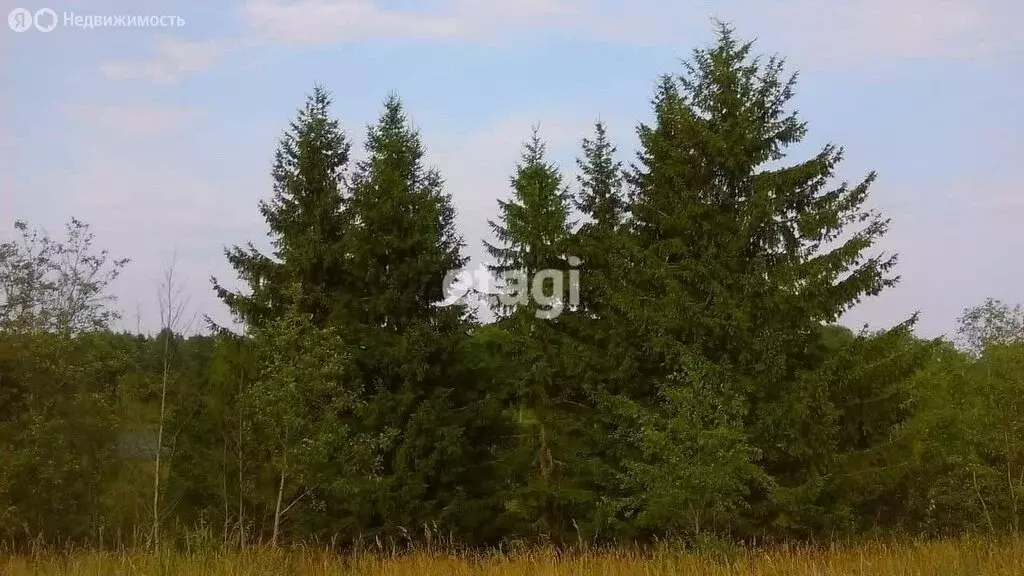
(696, 387)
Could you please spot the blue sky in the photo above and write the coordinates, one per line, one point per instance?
(161, 137)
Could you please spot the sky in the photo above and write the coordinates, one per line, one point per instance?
(161, 137)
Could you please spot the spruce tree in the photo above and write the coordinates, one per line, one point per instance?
(595, 347)
(404, 241)
(600, 181)
(600, 200)
(549, 471)
(737, 263)
(434, 432)
(296, 290)
(306, 217)
(534, 225)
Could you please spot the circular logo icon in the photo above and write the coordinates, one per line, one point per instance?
(20, 19)
(45, 20)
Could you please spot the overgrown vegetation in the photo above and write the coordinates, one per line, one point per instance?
(699, 392)
(999, 557)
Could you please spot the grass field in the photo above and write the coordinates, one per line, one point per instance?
(956, 557)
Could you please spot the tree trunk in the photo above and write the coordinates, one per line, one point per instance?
(224, 485)
(241, 506)
(159, 443)
(277, 511)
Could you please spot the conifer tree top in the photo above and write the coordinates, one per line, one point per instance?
(305, 219)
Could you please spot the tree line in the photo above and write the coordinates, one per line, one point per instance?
(700, 388)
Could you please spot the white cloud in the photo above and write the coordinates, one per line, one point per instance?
(810, 31)
(340, 21)
(872, 30)
(319, 21)
(172, 59)
(839, 32)
(134, 121)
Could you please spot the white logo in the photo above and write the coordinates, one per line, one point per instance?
(515, 288)
(19, 20)
(45, 20)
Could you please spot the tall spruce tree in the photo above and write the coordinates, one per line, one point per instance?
(738, 263)
(306, 217)
(600, 181)
(405, 240)
(549, 469)
(601, 201)
(592, 342)
(534, 225)
(434, 434)
(295, 291)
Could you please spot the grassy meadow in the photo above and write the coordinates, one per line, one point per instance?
(971, 556)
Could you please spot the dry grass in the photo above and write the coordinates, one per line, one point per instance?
(966, 556)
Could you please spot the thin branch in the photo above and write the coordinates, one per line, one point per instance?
(296, 501)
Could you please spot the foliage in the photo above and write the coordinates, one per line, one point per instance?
(305, 219)
(301, 408)
(533, 229)
(992, 323)
(701, 390)
(56, 286)
(434, 427)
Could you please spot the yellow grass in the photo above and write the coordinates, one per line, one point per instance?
(967, 556)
